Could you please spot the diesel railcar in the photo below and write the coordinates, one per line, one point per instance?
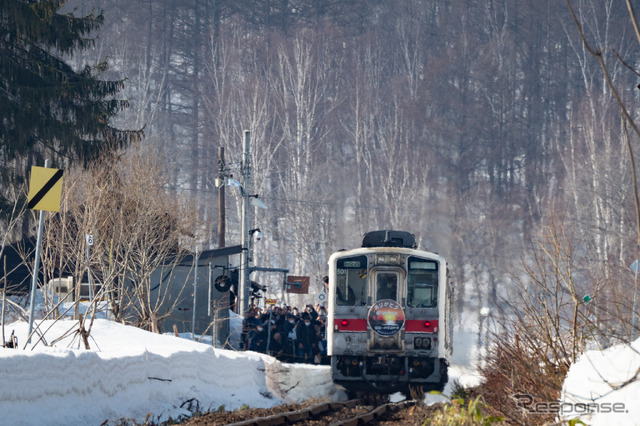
(389, 315)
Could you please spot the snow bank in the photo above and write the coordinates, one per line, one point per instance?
(600, 387)
(130, 372)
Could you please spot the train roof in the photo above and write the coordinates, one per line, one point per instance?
(367, 250)
(391, 241)
(358, 251)
(389, 238)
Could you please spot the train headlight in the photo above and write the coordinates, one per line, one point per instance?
(423, 343)
(344, 323)
(388, 259)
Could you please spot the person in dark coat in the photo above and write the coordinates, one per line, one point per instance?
(249, 324)
(320, 355)
(306, 342)
(277, 346)
(313, 314)
(289, 337)
(258, 339)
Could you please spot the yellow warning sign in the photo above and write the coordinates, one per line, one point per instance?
(45, 189)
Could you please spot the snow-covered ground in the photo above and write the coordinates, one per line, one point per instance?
(603, 387)
(129, 373)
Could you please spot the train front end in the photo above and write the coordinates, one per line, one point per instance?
(389, 316)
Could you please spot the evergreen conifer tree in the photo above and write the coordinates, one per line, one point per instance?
(48, 109)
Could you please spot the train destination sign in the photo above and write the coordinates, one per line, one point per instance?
(386, 317)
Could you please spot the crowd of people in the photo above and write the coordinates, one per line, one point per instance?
(287, 333)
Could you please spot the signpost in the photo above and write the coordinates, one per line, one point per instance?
(89, 240)
(298, 284)
(45, 191)
(321, 298)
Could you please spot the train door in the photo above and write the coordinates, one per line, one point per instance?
(386, 315)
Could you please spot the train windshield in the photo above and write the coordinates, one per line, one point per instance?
(351, 281)
(386, 286)
(422, 283)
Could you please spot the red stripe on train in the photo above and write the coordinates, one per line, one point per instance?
(350, 324)
(417, 326)
(412, 326)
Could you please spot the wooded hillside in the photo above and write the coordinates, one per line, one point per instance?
(468, 123)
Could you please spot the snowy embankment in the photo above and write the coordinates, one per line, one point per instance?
(130, 372)
(603, 387)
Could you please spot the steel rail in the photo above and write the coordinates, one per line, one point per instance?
(323, 408)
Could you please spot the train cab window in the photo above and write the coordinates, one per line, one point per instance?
(422, 283)
(351, 281)
(386, 286)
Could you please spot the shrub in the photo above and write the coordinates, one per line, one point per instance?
(457, 413)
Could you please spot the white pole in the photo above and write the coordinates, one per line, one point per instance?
(36, 267)
(195, 293)
(209, 290)
(89, 242)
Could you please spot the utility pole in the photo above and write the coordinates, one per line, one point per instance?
(244, 256)
(221, 201)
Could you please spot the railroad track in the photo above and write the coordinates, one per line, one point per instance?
(348, 413)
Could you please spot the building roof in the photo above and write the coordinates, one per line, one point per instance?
(208, 256)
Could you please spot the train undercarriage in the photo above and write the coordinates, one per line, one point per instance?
(388, 373)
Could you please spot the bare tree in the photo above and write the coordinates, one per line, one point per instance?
(305, 83)
(140, 233)
(547, 323)
(609, 70)
(154, 230)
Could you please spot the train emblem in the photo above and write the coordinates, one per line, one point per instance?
(386, 317)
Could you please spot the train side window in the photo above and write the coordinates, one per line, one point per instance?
(422, 284)
(351, 282)
(386, 286)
